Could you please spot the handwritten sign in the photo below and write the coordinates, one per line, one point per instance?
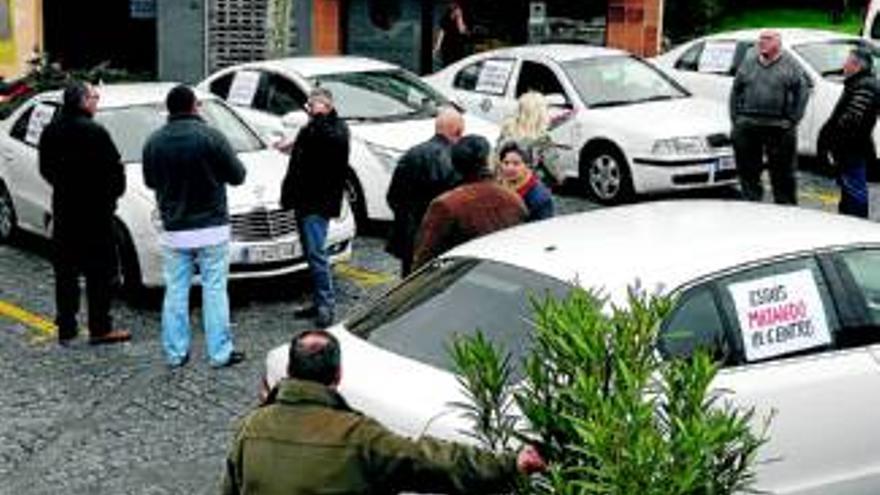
(780, 314)
(243, 88)
(494, 75)
(40, 118)
(717, 57)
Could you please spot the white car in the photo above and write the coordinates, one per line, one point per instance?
(623, 126)
(264, 237)
(706, 66)
(749, 278)
(388, 109)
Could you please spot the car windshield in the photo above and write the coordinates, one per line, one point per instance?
(381, 95)
(420, 318)
(130, 127)
(620, 80)
(827, 57)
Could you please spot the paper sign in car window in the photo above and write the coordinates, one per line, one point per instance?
(780, 314)
(243, 88)
(494, 76)
(717, 57)
(40, 117)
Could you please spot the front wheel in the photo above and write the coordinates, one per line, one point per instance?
(606, 175)
(7, 215)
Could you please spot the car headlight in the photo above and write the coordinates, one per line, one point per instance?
(681, 146)
(387, 156)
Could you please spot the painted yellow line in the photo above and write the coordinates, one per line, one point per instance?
(823, 197)
(361, 276)
(32, 321)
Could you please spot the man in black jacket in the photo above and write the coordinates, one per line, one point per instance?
(81, 163)
(313, 188)
(849, 131)
(424, 172)
(188, 164)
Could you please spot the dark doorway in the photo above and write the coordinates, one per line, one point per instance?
(81, 35)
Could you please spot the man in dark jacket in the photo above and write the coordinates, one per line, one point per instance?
(477, 207)
(308, 440)
(313, 188)
(767, 101)
(849, 131)
(423, 173)
(188, 164)
(81, 163)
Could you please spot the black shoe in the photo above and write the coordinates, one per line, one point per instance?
(234, 358)
(310, 312)
(66, 341)
(325, 318)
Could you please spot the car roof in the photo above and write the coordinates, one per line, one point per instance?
(790, 36)
(559, 52)
(117, 95)
(666, 244)
(318, 66)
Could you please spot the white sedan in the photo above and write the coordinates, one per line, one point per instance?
(264, 237)
(706, 66)
(747, 277)
(388, 109)
(624, 127)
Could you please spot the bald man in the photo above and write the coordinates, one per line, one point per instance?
(423, 173)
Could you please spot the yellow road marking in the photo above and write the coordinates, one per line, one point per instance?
(45, 327)
(361, 276)
(824, 197)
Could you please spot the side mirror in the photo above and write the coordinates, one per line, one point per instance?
(295, 119)
(557, 100)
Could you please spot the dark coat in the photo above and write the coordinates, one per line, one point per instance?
(464, 213)
(315, 180)
(310, 441)
(538, 199)
(423, 173)
(850, 128)
(81, 163)
(188, 163)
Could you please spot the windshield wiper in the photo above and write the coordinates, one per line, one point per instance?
(611, 103)
(655, 98)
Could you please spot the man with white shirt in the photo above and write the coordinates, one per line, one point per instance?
(188, 164)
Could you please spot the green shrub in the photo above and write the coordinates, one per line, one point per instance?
(610, 415)
(687, 19)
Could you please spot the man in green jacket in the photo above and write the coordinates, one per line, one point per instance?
(307, 440)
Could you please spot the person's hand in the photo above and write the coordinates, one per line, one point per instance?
(529, 461)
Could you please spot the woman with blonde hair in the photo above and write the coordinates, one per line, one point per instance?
(529, 127)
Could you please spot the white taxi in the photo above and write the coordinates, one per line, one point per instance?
(264, 237)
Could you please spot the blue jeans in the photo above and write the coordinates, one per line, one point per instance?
(178, 269)
(313, 237)
(853, 186)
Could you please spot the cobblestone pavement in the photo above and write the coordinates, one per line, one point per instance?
(115, 420)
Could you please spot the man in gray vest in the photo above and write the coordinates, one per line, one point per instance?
(767, 102)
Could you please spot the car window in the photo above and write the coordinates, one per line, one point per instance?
(875, 28)
(717, 57)
(534, 76)
(827, 57)
(690, 59)
(742, 48)
(620, 80)
(490, 76)
(695, 323)
(381, 95)
(779, 309)
(19, 128)
(420, 318)
(130, 127)
(28, 128)
(467, 77)
(220, 86)
(864, 269)
(283, 95)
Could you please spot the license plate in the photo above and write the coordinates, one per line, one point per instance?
(268, 254)
(725, 163)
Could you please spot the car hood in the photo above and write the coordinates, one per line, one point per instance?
(680, 117)
(405, 134)
(262, 186)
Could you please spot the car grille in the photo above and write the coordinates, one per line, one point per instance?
(719, 140)
(262, 225)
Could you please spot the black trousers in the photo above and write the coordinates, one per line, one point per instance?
(751, 144)
(89, 252)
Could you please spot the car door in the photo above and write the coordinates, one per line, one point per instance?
(784, 333)
(482, 87)
(32, 195)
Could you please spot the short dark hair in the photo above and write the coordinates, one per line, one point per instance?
(470, 155)
(864, 56)
(74, 95)
(181, 99)
(316, 363)
(512, 146)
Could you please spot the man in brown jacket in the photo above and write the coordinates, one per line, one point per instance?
(477, 207)
(307, 440)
